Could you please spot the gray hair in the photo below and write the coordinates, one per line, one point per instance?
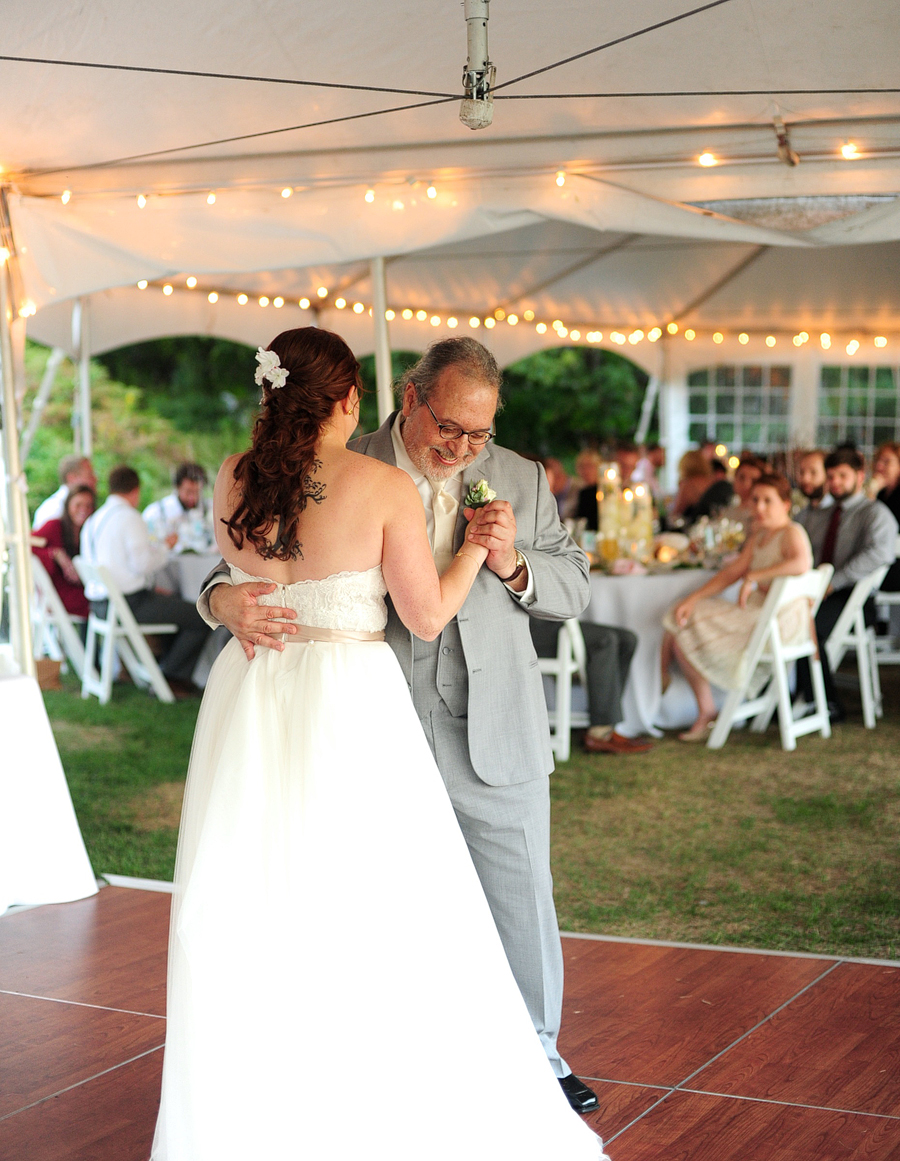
(68, 465)
(474, 361)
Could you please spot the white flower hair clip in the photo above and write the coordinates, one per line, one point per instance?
(269, 368)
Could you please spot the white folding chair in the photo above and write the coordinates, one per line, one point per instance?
(53, 626)
(570, 661)
(850, 633)
(119, 633)
(887, 649)
(766, 645)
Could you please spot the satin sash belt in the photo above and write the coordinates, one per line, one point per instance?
(307, 633)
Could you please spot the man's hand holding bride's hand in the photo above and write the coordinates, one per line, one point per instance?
(494, 527)
(236, 608)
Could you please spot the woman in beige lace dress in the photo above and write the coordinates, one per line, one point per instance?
(709, 635)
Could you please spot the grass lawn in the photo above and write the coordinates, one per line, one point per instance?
(746, 846)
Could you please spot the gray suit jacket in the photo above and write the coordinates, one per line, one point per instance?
(509, 739)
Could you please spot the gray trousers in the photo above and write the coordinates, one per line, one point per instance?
(609, 653)
(507, 829)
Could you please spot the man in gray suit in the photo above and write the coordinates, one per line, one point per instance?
(477, 688)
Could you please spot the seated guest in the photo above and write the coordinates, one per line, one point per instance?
(609, 653)
(648, 468)
(886, 484)
(63, 537)
(184, 512)
(694, 477)
(707, 634)
(627, 457)
(74, 471)
(717, 497)
(813, 482)
(746, 474)
(117, 538)
(855, 535)
(564, 489)
(588, 466)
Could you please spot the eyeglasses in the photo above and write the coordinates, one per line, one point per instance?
(450, 431)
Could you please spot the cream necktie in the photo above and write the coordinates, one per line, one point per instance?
(445, 510)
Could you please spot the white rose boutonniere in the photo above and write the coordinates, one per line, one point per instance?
(479, 494)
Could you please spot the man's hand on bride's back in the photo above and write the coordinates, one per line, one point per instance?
(235, 606)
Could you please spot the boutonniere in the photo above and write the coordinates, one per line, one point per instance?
(479, 494)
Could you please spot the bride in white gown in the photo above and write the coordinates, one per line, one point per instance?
(331, 948)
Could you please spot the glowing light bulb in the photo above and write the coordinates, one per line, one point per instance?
(743, 338)
(690, 335)
(880, 341)
(407, 313)
(264, 300)
(243, 299)
(528, 315)
(541, 328)
(654, 334)
(490, 323)
(672, 328)
(191, 282)
(797, 341)
(718, 337)
(286, 192)
(556, 324)
(499, 314)
(370, 195)
(358, 308)
(340, 303)
(618, 338)
(562, 332)
(431, 191)
(421, 315)
(141, 201)
(635, 337)
(849, 151)
(397, 205)
(734, 462)
(721, 449)
(389, 314)
(210, 199)
(142, 285)
(825, 340)
(561, 177)
(452, 323)
(278, 302)
(852, 347)
(474, 322)
(167, 289)
(322, 292)
(575, 335)
(770, 340)
(303, 304)
(804, 336)
(707, 159)
(512, 319)
(435, 320)
(212, 296)
(66, 196)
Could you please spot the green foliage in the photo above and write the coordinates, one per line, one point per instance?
(559, 401)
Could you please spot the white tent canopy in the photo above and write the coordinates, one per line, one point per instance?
(275, 147)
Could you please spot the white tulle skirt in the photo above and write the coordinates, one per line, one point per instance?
(337, 988)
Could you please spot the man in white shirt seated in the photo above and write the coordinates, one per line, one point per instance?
(118, 539)
(183, 512)
(74, 471)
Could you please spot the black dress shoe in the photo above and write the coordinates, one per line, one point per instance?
(579, 1096)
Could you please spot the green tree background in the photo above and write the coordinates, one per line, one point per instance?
(156, 404)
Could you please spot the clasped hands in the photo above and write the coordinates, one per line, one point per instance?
(236, 607)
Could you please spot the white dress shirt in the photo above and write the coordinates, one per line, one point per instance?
(453, 487)
(117, 538)
(52, 508)
(193, 526)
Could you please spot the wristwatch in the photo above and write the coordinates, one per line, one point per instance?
(521, 565)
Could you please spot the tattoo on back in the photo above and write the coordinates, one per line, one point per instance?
(312, 490)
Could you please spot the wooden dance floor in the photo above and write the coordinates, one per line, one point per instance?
(697, 1054)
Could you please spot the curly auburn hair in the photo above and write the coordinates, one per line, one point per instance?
(276, 475)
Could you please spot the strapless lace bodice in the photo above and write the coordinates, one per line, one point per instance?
(352, 601)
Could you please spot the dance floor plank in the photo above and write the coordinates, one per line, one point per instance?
(696, 1054)
(654, 1015)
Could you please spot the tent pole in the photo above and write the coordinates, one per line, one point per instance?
(650, 396)
(85, 436)
(383, 374)
(40, 401)
(19, 540)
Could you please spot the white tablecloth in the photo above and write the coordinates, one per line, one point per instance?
(638, 603)
(42, 853)
(186, 571)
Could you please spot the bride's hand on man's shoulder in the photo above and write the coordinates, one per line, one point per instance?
(236, 607)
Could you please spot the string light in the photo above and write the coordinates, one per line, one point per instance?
(474, 322)
(278, 302)
(66, 196)
(452, 323)
(880, 341)
(849, 151)
(210, 199)
(322, 292)
(797, 341)
(421, 315)
(528, 315)
(635, 337)
(286, 192)
(499, 314)
(718, 337)
(672, 328)
(397, 205)
(852, 347)
(490, 323)
(575, 336)
(212, 296)
(340, 303)
(618, 338)
(721, 449)
(390, 315)
(825, 340)
(561, 177)
(191, 282)
(690, 335)
(743, 338)
(770, 340)
(243, 299)
(370, 195)
(263, 301)
(562, 332)
(435, 320)
(167, 289)
(358, 308)
(556, 324)
(431, 191)
(303, 304)
(707, 159)
(142, 285)
(541, 328)
(512, 319)
(734, 462)
(654, 334)
(141, 201)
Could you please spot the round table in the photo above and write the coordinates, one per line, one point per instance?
(638, 603)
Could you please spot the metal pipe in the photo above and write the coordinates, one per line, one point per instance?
(383, 368)
(86, 439)
(477, 110)
(40, 401)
